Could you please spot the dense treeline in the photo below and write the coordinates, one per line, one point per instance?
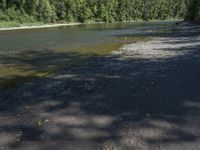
(91, 10)
(194, 10)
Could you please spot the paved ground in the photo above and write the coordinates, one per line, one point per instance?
(145, 97)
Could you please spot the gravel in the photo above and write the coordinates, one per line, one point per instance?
(158, 48)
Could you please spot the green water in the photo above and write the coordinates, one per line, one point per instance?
(35, 53)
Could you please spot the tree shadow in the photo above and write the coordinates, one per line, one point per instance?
(104, 102)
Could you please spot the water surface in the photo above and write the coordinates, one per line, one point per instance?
(35, 53)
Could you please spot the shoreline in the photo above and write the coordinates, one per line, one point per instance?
(67, 24)
(39, 26)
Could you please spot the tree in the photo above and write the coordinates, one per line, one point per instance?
(95, 10)
(3, 4)
(45, 11)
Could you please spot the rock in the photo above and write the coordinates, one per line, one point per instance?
(148, 115)
(47, 120)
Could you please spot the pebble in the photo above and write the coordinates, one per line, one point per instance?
(148, 115)
(155, 49)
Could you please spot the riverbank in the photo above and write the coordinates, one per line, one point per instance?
(37, 26)
(161, 48)
(7, 26)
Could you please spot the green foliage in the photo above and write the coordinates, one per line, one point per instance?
(85, 14)
(194, 10)
(91, 10)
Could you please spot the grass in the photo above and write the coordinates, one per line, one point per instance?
(6, 24)
(10, 24)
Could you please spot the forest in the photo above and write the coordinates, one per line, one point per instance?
(59, 11)
(194, 10)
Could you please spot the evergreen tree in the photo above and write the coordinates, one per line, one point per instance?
(95, 10)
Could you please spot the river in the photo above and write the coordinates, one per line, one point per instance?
(35, 53)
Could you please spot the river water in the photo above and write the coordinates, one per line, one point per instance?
(35, 53)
